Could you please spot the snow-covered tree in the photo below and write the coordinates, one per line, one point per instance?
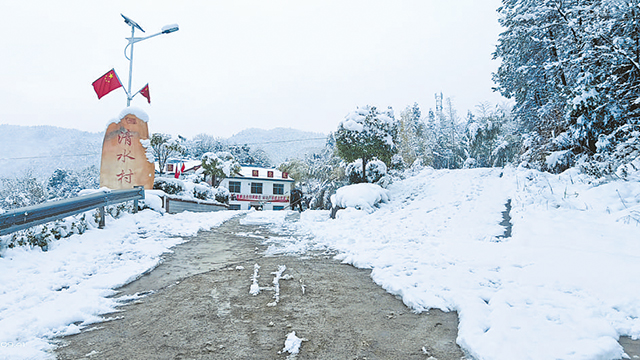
(219, 166)
(203, 143)
(367, 133)
(297, 169)
(573, 68)
(247, 156)
(163, 147)
(413, 137)
(446, 127)
(62, 184)
(21, 191)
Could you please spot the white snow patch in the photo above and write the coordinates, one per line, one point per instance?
(255, 288)
(292, 343)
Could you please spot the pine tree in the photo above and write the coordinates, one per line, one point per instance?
(367, 133)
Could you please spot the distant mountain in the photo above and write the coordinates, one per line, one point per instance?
(43, 149)
(281, 144)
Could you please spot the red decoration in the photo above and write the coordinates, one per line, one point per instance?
(145, 92)
(106, 83)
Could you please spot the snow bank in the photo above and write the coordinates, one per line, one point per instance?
(44, 294)
(564, 286)
(360, 196)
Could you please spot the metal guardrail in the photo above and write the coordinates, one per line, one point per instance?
(26, 217)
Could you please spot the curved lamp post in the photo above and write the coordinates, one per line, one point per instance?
(167, 29)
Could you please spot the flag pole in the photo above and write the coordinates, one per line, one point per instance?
(120, 81)
(133, 29)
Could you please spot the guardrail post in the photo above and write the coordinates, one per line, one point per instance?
(135, 201)
(101, 224)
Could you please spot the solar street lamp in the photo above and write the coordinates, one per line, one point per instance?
(132, 40)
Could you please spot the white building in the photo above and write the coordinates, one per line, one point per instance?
(260, 188)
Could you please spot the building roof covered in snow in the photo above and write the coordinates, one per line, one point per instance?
(253, 172)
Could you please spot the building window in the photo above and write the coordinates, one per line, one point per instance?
(256, 188)
(234, 207)
(278, 207)
(278, 189)
(234, 187)
(269, 173)
(169, 167)
(254, 173)
(285, 175)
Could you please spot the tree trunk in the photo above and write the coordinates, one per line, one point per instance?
(364, 168)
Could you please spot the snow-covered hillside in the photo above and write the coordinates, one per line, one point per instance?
(43, 149)
(281, 143)
(565, 285)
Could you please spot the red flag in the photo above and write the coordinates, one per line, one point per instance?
(145, 93)
(106, 83)
(177, 173)
(182, 168)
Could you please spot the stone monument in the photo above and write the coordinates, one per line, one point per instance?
(124, 162)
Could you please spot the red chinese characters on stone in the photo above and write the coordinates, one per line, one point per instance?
(126, 154)
(126, 177)
(126, 136)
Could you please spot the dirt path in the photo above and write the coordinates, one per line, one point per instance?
(200, 308)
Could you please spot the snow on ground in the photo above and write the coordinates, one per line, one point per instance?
(53, 293)
(564, 286)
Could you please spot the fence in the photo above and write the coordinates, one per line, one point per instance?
(176, 205)
(26, 217)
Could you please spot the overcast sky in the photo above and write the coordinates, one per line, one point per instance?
(240, 64)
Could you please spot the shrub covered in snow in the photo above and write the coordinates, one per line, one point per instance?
(42, 235)
(398, 163)
(360, 196)
(168, 185)
(375, 169)
(20, 192)
(187, 189)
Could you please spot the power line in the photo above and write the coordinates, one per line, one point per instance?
(96, 154)
(280, 141)
(49, 156)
